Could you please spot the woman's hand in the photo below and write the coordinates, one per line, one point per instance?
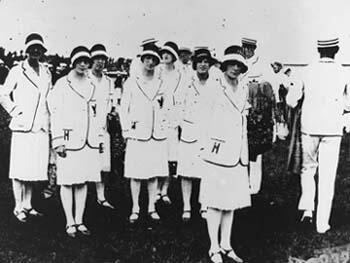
(61, 151)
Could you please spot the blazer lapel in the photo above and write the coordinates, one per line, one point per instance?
(151, 90)
(195, 83)
(234, 100)
(30, 74)
(78, 92)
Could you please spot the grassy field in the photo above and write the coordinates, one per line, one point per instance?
(266, 232)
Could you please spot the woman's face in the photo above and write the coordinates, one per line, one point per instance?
(203, 66)
(98, 63)
(149, 62)
(35, 52)
(82, 65)
(233, 70)
(167, 58)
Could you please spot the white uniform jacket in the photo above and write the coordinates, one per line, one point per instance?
(104, 95)
(324, 86)
(192, 103)
(142, 109)
(224, 140)
(78, 118)
(23, 96)
(172, 87)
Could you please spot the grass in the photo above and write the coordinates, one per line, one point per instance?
(266, 232)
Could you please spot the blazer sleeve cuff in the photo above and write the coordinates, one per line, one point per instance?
(15, 111)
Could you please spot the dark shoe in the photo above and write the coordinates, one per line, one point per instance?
(215, 257)
(71, 231)
(83, 229)
(133, 217)
(33, 212)
(306, 220)
(21, 215)
(165, 199)
(105, 203)
(230, 254)
(154, 215)
(306, 224)
(186, 215)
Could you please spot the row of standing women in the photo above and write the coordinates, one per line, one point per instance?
(167, 114)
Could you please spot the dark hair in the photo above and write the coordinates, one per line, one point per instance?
(224, 65)
(80, 59)
(234, 49)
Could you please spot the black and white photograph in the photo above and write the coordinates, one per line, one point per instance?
(174, 131)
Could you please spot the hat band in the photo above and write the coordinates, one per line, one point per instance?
(80, 54)
(185, 49)
(151, 53)
(98, 53)
(328, 43)
(34, 42)
(249, 41)
(148, 41)
(234, 57)
(171, 50)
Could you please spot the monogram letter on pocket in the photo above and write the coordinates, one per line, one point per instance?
(216, 147)
(66, 134)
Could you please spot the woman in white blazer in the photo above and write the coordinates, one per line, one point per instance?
(24, 97)
(172, 80)
(142, 116)
(192, 103)
(224, 154)
(105, 95)
(77, 135)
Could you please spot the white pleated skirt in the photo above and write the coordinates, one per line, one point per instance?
(189, 162)
(79, 167)
(146, 159)
(225, 188)
(29, 156)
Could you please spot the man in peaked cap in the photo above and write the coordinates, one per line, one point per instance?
(185, 61)
(261, 114)
(324, 87)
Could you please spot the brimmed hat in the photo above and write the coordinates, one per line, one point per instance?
(185, 49)
(151, 50)
(172, 48)
(231, 57)
(78, 53)
(148, 41)
(98, 50)
(201, 53)
(328, 43)
(34, 39)
(249, 41)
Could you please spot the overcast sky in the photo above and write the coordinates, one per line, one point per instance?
(286, 30)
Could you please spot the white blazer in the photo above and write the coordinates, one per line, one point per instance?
(78, 117)
(142, 111)
(224, 140)
(192, 103)
(23, 96)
